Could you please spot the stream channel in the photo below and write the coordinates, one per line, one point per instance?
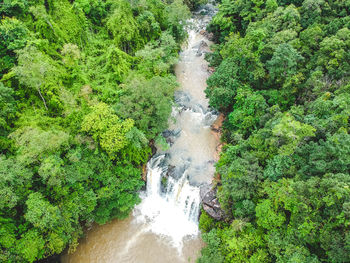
(164, 226)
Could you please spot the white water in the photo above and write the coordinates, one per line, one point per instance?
(174, 213)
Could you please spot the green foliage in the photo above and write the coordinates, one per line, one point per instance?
(283, 63)
(148, 102)
(212, 252)
(67, 158)
(39, 73)
(7, 114)
(177, 15)
(13, 36)
(96, 11)
(34, 143)
(194, 4)
(248, 109)
(106, 128)
(123, 27)
(158, 57)
(222, 87)
(14, 182)
(13, 7)
(291, 132)
(206, 223)
(282, 80)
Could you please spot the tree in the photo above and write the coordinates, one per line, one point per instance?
(247, 111)
(13, 36)
(284, 168)
(177, 15)
(333, 55)
(67, 160)
(36, 70)
(107, 129)
(222, 86)
(34, 143)
(15, 181)
(123, 27)
(148, 102)
(284, 63)
(157, 58)
(7, 114)
(94, 10)
(12, 8)
(291, 132)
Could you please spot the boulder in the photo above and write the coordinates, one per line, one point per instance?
(171, 133)
(216, 126)
(211, 205)
(210, 36)
(211, 70)
(176, 172)
(166, 133)
(170, 141)
(202, 48)
(176, 132)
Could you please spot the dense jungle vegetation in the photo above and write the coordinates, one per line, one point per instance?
(85, 86)
(282, 80)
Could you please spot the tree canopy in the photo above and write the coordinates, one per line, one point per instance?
(282, 79)
(72, 145)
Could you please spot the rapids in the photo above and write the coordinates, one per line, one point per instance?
(164, 226)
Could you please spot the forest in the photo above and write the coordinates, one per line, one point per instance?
(86, 86)
(282, 80)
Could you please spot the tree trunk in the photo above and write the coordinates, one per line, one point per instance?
(42, 99)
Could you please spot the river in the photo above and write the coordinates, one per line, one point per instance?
(164, 226)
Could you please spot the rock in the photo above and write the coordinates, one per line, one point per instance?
(211, 204)
(211, 70)
(182, 98)
(177, 132)
(216, 126)
(204, 189)
(170, 135)
(153, 148)
(217, 130)
(166, 133)
(144, 173)
(176, 171)
(164, 184)
(202, 48)
(198, 108)
(170, 141)
(210, 36)
(203, 45)
(171, 171)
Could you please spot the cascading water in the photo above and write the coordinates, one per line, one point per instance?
(173, 212)
(164, 226)
(171, 202)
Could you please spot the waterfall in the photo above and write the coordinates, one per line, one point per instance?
(171, 203)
